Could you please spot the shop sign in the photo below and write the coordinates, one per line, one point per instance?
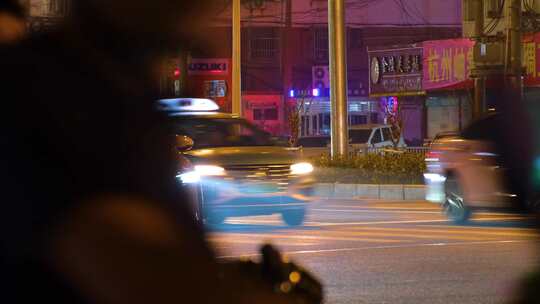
(396, 72)
(447, 62)
(215, 66)
(531, 51)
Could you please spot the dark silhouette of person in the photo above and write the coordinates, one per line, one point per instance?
(12, 22)
(88, 187)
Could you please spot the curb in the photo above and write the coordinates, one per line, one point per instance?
(366, 191)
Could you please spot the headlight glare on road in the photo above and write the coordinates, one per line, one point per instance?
(301, 168)
(190, 177)
(209, 170)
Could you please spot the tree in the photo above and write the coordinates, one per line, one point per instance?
(294, 115)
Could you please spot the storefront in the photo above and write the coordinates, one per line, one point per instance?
(210, 78)
(396, 81)
(447, 85)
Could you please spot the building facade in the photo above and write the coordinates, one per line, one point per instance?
(286, 60)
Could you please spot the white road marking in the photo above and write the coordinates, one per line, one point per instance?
(300, 252)
(376, 211)
(323, 224)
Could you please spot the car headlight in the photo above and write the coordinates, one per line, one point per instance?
(301, 168)
(434, 177)
(209, 170)
(189, 177)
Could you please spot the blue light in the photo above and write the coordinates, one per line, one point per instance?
(316, 92)
(291, 93)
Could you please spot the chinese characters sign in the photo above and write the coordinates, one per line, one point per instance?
(531, 51)
(396, 71)
(447, 62)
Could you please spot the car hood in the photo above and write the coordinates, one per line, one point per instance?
(246, 155)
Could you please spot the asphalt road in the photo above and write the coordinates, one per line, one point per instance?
(394, 252)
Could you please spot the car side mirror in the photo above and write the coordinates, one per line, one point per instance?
(184, 143)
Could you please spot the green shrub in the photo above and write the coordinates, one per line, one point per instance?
(387, 168)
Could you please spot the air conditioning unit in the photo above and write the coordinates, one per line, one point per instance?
(320, 77)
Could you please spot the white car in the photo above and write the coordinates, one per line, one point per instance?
(372, 136)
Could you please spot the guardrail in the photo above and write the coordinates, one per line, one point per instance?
(421, 150)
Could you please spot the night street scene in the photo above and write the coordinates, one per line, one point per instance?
(270, 151)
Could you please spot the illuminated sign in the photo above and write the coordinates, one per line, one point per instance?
(396, 71)
(208, 67)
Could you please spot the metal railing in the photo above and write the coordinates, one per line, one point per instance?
(420, 150)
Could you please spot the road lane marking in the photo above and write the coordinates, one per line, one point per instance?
(263, 237)
(405, 234)
(407, 222)
(376, 211)
(443, 230)
(352, 249)
(324, 224)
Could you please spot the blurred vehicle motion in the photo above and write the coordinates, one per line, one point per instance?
(192, 187)
(467, 172)
(241, 170)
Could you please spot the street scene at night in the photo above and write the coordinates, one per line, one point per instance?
(270, 151)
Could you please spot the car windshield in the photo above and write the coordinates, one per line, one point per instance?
(223, 132)
(313, 142)
(359, 136)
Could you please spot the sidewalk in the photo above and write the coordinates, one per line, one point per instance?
(366, 191)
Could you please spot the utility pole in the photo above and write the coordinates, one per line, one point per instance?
(480, 80)
(338, 77)
(236, 59)
(286, 65)
(513, 47)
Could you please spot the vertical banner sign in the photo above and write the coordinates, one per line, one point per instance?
(447, 63)
(531, 51)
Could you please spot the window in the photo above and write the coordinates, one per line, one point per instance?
(387, 134)
(325, 127)
(376, 137)
(258, 114)
(265, 114)
(315, 124)
(271, 114)
(320, 43)
(208, 133)
(374, 118)
(355, 39)
(263, 43)
(358, 120)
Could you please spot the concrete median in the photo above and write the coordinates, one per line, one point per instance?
(367, 191)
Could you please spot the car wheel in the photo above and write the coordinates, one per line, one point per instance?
(294, 217)
(454, 205)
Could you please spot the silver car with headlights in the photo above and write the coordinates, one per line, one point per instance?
(242, 169)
